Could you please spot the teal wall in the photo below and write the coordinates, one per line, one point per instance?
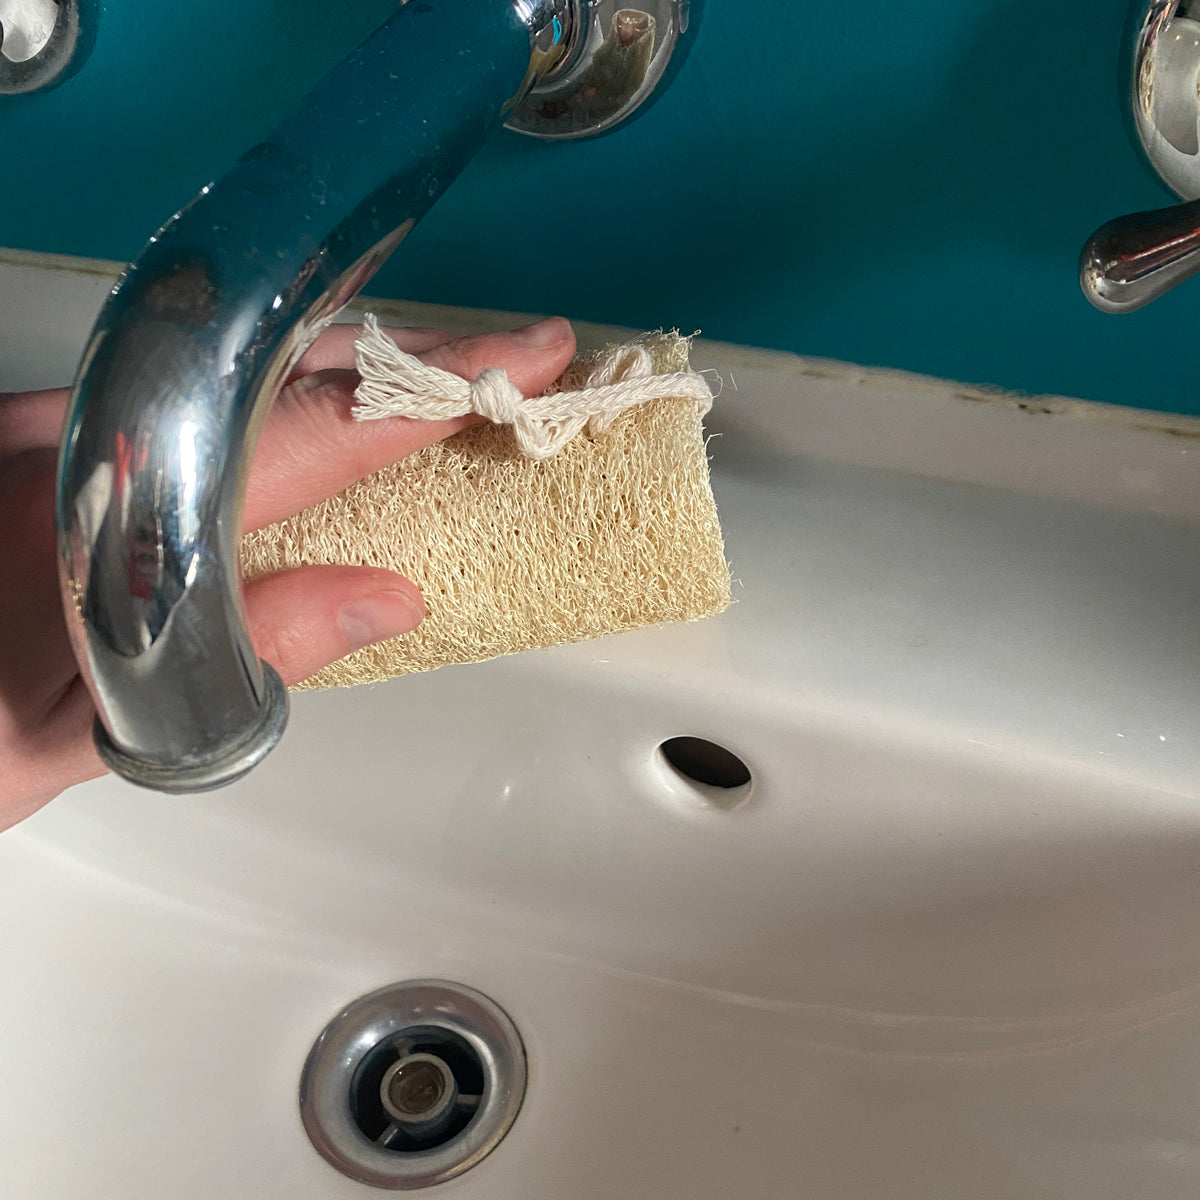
(904, 183)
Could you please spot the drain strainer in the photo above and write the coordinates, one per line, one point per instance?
(413, 1084)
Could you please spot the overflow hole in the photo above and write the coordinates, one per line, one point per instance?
(720, 772)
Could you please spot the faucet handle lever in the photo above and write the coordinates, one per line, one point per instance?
(1133, 260)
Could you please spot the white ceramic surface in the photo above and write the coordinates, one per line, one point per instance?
(949, 947)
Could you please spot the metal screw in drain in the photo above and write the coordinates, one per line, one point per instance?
(413, 1084)
(419, 1092)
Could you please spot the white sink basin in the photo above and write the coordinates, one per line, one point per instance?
(948, 946)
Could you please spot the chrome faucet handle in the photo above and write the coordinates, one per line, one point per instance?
(1133, 260)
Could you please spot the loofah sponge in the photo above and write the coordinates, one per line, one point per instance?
(616, 531)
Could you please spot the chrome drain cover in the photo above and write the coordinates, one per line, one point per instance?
(413, 1084)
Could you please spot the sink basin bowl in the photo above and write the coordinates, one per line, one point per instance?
(943, 944)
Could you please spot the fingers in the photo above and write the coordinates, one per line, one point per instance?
(54, 757)
(533, 357)
(31, 421)
(312, 448)
(302, 620)
(306, 618)
(36, 662)
(334, 349)
(45, 711)
(34, 420)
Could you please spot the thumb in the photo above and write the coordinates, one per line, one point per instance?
(533, 357)
(306, 618)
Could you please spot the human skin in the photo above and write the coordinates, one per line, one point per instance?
(301, 619)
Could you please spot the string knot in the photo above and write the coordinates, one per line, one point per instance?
(494, 396)
(395, 384)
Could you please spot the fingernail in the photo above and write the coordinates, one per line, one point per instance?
(376, 618)
(544, 334)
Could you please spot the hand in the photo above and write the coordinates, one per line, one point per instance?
(301, 619)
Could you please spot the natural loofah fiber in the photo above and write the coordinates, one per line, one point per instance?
(614, 532)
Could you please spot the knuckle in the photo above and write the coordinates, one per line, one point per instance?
(277, 644)
(459, 358)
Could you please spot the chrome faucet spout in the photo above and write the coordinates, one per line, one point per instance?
(193, 344)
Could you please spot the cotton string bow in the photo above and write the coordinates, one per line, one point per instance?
(395, 384)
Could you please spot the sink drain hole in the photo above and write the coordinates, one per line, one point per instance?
(705, 762)
(413, 1084)
(416, 1090)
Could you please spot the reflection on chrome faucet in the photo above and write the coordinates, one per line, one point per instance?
(616, 73)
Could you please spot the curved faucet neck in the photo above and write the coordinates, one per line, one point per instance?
(192, 346)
